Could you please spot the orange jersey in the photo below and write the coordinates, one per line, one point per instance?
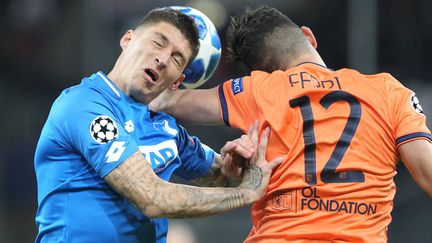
(340, 131)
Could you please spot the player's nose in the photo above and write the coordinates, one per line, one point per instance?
(162, 58)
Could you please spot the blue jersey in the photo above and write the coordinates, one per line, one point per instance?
(91, 129)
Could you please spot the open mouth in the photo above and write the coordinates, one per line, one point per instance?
(153, 75)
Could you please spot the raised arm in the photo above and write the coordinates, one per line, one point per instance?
(417, 157)
(135, 180)
(198, 106)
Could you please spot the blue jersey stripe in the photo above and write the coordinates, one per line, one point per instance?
(411, 136)
(223, 105)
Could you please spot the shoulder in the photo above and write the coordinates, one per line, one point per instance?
(387, 81)
(77, 108)
(384, 77)
(261, 75)
(78, 98)
(383, 81)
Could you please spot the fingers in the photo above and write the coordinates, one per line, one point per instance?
(239, 151)
(230, 169)
(227, 162)
(246, 142)
(262, 149)
(251, 127)
(229, 147)
(253, 133)
(276, 162)
(245, 147)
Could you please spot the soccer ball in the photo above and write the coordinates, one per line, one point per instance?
(205, 63)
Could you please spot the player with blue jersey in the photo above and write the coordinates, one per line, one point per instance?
(71, 127)
(103, 158)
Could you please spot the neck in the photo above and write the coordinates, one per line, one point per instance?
(124, 83)
(308, 57)
(114, 76)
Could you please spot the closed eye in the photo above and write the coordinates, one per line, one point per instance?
(158, 43)
(177, 61)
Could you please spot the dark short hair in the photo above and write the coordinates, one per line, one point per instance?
(183, 22)
(262, 38)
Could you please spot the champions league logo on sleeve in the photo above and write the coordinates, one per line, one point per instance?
(103, 129)
(416, 104)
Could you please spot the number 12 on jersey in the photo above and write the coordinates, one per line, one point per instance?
(329, 174)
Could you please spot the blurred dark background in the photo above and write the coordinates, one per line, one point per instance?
(48, 45)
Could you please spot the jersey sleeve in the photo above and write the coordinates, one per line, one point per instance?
(237, 103)
(196, 157)
(91, 128)
(408, 117)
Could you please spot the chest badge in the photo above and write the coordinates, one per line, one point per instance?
(163, 126)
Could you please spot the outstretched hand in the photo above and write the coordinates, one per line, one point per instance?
(258, 169)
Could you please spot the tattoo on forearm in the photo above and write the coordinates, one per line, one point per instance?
(136, 181)
(185, 201)
(252, 178)
(214, 178)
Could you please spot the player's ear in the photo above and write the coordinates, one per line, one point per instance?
(309, 35)
(126, 38)
(176, 83)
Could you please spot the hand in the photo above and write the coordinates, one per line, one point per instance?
(234, 155)
(258, 170)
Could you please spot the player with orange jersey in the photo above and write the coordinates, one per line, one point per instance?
(342, 133)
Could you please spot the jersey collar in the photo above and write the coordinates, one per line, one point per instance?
(107, 86)
(314, 63)
(114, 89)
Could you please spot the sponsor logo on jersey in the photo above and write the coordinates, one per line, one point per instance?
(284, 200)
(237, 85)
(308, 198)
(115, 151)
(129, 126)
(160, 155)
(163, 126)
(103, 129)
(416, 103)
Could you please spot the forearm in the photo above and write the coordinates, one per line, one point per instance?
(182, 201)
(136, 181)
(214, 178)
(417, 157)
(198, 106)
(166, 101)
